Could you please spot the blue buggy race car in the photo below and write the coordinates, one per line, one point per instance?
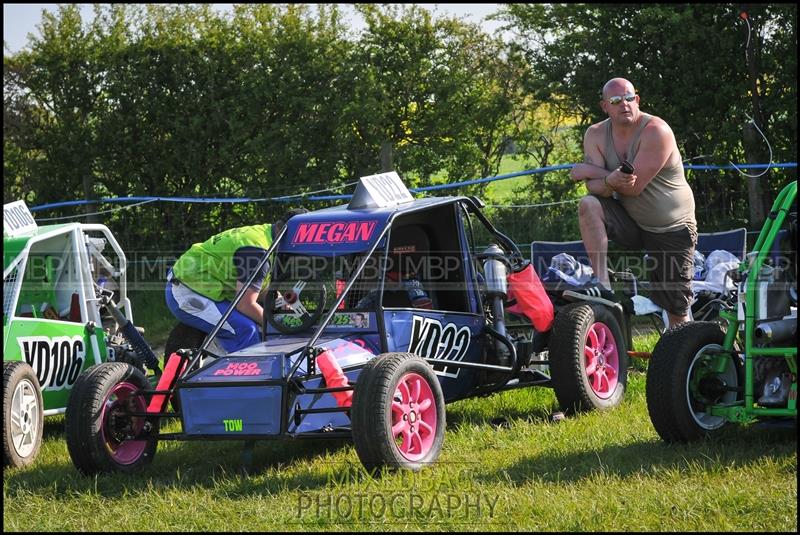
(378, 313)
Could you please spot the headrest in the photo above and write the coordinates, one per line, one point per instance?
(409, 239)
(408, 249)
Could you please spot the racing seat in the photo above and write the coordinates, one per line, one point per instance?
(409, 249)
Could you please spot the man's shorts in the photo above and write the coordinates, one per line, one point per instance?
(670, 256)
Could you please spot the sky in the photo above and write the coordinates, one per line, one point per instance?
(21, 19)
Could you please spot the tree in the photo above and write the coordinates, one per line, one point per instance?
(54, 101)
(442, 97)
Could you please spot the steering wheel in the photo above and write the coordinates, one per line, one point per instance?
(285, 310)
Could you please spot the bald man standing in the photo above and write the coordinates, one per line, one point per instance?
(649, 208)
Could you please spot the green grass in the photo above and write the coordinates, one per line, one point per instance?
(593, 472)
(498, 191)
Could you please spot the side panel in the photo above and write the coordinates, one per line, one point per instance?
(231, 397)
(439, 335)
(58, 351)
(351, 352)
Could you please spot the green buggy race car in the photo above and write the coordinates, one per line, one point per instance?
(703, 375)
(58, 319)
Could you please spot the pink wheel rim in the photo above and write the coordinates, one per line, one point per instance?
(601, 360)
(413, 417)
(122, 399)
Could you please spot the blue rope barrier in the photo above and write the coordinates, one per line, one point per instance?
(140, 199)
(531, 172)
(287, 198)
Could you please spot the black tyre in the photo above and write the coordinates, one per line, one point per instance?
(183, 336)
(23, 414)
(683, 380)
(588, 358)
(398, 415)
(101, 433)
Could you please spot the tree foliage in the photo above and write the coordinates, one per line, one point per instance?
(166, 100)
(278, 99)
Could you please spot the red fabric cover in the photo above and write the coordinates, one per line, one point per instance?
(167, 380)
(334, 377)
(531, 297)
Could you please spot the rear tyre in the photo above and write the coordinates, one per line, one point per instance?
(183, 336)
(398, 414)
(588, 358)
(687, 374)
(23, 414)
(102, 435)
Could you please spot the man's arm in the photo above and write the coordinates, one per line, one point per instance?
(593, 169)
(248, 304)
(245, 260)
(657, 143)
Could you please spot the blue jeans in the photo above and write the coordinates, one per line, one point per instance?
(203, 313)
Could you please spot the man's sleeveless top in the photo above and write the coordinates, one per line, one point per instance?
(666, 204)
(208, 267)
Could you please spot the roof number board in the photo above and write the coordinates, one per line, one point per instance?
(17, 219)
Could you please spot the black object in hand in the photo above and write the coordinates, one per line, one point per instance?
(626, 167)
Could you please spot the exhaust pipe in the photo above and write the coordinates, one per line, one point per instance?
(773, 332)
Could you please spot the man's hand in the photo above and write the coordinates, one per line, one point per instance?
(617, 180)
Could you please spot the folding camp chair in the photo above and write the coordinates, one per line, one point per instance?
(733, 241)
(707, 304)
(542, 252)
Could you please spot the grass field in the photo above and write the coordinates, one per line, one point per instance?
(593, 472)
(150, 311)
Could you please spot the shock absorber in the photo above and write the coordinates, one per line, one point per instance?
(136, 340)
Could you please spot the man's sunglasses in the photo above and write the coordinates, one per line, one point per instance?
(616, 99)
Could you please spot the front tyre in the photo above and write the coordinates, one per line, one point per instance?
(103, 433)
(398, 414)
(23, 414)
(688, 373)
(588, 358)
